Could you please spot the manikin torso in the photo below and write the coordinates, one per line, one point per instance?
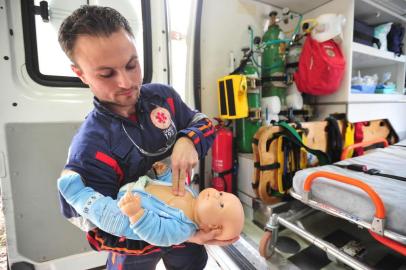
(164, 193)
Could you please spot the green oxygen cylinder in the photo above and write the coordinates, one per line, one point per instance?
(247, 127)
(273, 62)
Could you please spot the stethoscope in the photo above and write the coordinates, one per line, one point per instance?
(169, 143)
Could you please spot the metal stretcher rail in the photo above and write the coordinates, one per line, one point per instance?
(376, 228)
(351, 218)
(269, 240)
(378, 222)
(326, 246)
(386, 237)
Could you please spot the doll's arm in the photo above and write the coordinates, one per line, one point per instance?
(101, 210)
(105, 213)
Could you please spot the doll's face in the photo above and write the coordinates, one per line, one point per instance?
(219, 210)
(159, 167)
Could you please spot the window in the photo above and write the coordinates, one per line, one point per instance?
(46, 62)
(179, 17)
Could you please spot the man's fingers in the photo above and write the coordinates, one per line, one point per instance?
(178, 181)
(222, 242)
(175, 181)
(181, 183)
(209, 238)
(211, 235)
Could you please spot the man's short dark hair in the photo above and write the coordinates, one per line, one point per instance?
(93, 21)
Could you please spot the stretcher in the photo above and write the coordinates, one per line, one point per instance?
(369, 191)
(281, 149)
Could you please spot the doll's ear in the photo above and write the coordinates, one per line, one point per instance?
(215, 227)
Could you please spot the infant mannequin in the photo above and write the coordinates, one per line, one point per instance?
(211, 210)
(154, 214)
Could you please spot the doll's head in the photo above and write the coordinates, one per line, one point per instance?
(159, 167)
(219, 210)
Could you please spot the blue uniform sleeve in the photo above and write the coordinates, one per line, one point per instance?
(104, 212)
(165, 231)
(192, 124)
(90, 157)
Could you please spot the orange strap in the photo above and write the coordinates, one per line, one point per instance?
(379, 207)
(390, 243)
(349, 148)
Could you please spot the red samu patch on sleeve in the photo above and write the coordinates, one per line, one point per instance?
(161, 118)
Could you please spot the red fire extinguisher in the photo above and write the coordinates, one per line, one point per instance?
(222, 158)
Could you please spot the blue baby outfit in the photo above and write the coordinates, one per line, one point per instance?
(160, 224)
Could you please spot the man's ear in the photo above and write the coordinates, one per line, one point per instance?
(78, 73)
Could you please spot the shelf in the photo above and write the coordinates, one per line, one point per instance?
(374, 12)
(376, 98)
(297, 6)
(366, 57)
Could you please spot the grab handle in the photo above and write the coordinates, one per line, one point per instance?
(379, 207)
(362, 144)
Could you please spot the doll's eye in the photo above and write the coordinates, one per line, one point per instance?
(221, 205)
(221, 193)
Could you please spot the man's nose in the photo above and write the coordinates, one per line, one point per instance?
(124, 80)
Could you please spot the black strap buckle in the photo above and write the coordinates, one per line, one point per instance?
(357, 167)
(373, 171)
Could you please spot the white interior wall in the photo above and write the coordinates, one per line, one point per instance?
(224, 30)
(395, 112)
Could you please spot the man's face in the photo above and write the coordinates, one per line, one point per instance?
(110, 66)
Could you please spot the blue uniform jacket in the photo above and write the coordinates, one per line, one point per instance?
(160, 224)
(109, 151)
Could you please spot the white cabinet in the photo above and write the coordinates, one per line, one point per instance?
(359, 57)
(369, 60)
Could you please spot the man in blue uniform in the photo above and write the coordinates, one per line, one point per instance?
(131, 127)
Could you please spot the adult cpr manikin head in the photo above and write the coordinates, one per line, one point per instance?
(219, 210)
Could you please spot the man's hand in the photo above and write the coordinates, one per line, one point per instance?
(184, 158)
(208, 238)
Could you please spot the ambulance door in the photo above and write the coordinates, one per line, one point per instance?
(42, 104)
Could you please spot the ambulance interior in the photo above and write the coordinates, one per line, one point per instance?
(321, 175)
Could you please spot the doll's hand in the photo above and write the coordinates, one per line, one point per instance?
(130, 205)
